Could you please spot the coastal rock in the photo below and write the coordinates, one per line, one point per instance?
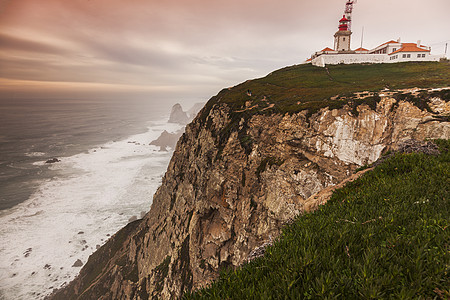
(52, 161)
(77, 264)
(27, 252)
(167, 139)
(177, 115)
(228, 190)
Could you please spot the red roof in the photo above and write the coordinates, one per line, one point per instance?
(327, 49)
(361, 49)
(344, 19)
(410, 47)
(309, 59)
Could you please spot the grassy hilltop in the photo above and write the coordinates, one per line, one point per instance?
(386, 235)
(306, 87)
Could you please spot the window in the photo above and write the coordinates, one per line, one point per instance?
(395, 49)
(404, 56)
(423, 55)
(408, 56)
(419, 55)
(343, 39)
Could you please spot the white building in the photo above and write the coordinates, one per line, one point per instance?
(389, 52)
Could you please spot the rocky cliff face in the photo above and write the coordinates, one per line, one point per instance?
(231, 186)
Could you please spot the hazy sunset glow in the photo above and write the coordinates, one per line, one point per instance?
(184, 49)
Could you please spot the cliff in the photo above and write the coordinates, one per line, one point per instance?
(249, 162)
(381, 236)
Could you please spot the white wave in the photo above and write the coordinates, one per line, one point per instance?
(95, 194)
(34, 154)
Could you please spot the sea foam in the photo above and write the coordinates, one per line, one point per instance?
(94, 195)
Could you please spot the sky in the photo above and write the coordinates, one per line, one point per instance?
(175, 51)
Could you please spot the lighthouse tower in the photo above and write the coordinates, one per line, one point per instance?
(342, 36)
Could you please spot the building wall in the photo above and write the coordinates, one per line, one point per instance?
(342, 41)
(386, 49)
(335, 59)
(413, 56)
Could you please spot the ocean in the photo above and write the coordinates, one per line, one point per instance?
(53, 216)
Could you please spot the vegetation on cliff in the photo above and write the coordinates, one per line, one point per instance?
(385, 235)
(306, 87)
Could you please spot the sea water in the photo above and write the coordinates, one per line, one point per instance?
(53, 216)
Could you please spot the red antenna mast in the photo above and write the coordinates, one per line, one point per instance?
(348, 12)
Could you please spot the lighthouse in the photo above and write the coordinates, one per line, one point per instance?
(389, 52)
(342, 36)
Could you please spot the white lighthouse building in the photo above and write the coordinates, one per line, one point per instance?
(389, 52)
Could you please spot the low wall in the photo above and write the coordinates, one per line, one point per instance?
(335, 59)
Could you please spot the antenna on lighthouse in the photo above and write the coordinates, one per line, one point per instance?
(348, 12)
(362, 36)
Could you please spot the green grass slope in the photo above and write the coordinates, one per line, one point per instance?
(384, 236)
(306, 87)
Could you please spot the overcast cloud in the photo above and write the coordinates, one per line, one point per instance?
(185, 50)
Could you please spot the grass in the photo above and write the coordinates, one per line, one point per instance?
(300, 87)
(383, 236)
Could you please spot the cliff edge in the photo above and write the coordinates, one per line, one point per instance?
(250, 160)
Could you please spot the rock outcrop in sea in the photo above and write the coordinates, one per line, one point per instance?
(167, 139)
(238, 175)
(177, 115)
